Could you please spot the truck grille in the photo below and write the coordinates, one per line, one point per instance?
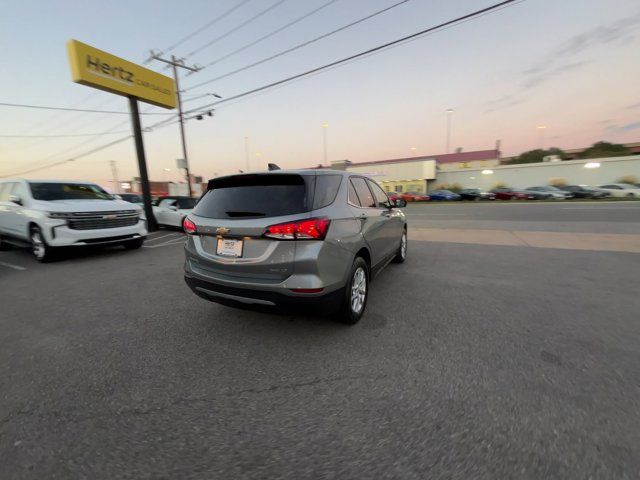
(99, 220)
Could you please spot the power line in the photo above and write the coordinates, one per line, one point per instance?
(296, 47)
(370, 51)
(97, 149)
(236, 28)
(68, 109)
(63, 135)
(162, 123)
(272, 33)
(201, 29)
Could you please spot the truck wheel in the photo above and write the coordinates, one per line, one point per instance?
(3, 244)
(39, 247)
(134, 244)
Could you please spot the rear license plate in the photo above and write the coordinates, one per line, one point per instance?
(228, 247)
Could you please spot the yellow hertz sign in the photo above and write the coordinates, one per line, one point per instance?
(98, 69)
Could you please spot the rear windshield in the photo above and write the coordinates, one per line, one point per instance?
(68, 191)
(256, 196)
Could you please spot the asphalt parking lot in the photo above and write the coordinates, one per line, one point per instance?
(507, 346)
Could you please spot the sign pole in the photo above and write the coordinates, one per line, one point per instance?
(152, 225)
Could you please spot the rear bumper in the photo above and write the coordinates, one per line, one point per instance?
(250, 298)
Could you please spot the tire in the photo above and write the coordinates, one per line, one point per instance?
(4, 245)
(630, 195)
(39, 247)
(134, 244)
(401, 254)
(355, 298)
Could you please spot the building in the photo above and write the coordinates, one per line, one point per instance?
(593, 171)
(418, 174)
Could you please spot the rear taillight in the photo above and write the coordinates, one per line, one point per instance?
(309, 229)
(188, 226)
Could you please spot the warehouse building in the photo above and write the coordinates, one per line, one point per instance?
(418, 174)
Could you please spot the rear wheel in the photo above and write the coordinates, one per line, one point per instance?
(401, 254)
(356, 293)
(39, 247)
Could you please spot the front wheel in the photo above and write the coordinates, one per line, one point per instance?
(39, 247)
(3, 244)
(356, 293)
(134, 244)
(401, 254)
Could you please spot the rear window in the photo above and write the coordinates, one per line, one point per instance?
(326, 189)
(256, 196)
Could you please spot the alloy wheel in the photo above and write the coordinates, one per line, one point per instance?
(358, 290)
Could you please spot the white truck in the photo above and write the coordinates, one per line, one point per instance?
(48, 214)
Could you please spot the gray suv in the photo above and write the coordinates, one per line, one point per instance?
(305, 237)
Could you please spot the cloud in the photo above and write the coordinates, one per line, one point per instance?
(555, 62)
(623, 128)
(601, 35)
(545, 75)
(633, 106)
(563, 58)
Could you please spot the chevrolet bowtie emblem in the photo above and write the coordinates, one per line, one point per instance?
(222, 230)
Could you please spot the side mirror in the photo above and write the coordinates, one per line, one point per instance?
(15, 199)
(400, 203)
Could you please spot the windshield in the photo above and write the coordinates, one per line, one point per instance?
(68, 191)
(131, 197)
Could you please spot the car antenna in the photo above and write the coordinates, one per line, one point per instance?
(273, 166)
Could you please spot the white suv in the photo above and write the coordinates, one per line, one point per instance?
(47, 214)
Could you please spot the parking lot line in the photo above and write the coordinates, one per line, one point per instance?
(563, 240)
(10, 265)
(173, 241)
(172, 234)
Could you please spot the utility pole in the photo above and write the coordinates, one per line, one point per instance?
(175, 63)
(114, 172)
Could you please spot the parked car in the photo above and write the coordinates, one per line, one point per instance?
(550, 192)
(130, 197)
(443, 195)
(171, 211)
(512, 194)
(301, 237)
(476, 194)
(583, 191)
(414, 197)
(621, 190)
(48, 214)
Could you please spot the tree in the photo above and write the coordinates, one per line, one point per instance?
(535, 156)
(605, 149)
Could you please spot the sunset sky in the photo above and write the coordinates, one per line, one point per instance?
(571, 65)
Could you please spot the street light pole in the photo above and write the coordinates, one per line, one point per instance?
(246, 152)
(541, 130)
(324, 141)
(449, 115)
(114, 172)
(175, 63)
